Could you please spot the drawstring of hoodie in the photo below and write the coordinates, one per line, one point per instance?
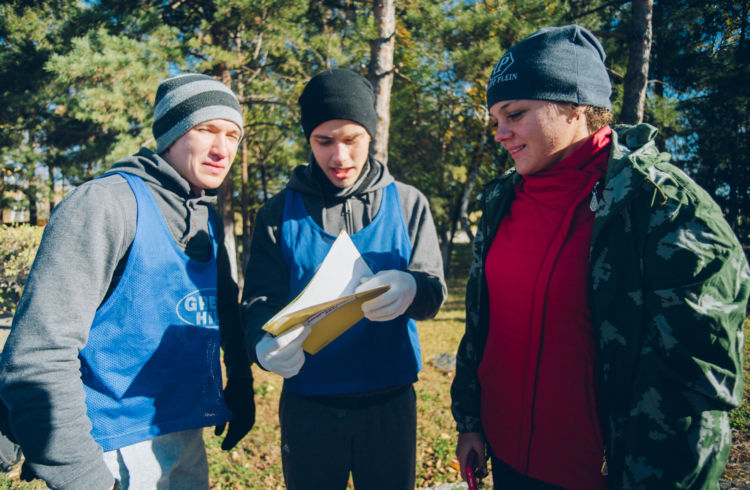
(312, 180)
(346, 212)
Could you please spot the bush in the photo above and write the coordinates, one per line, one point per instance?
(18, 245)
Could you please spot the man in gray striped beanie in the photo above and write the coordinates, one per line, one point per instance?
(186, 107)
(113, 368)
(187, 100)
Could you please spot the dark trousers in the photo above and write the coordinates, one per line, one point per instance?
(505, 477)
(323, 439)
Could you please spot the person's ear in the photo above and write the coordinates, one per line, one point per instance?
(576, 112)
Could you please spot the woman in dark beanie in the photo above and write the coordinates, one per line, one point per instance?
(606, 297)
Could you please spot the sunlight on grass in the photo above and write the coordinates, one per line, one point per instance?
(256, 462)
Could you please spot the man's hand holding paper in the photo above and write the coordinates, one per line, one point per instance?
(394, 302)
(283, 354)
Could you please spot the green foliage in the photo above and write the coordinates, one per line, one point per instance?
(78, 80)
(106, 90)
(700, 55)
(440, 131)
(18, 245)
(739, 418)
(29, 35)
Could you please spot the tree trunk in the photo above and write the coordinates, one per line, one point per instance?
(243, 254)
(471, 180)
(33, 214)
(51, 191)
(636, 78)
(381, 73)
(227, 216)
(244, 205)
(226, 208)
(446, 250)
(446, 245)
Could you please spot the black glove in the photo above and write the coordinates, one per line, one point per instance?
(5, 423)
(27, 474)
(10, 451)
(238, 395)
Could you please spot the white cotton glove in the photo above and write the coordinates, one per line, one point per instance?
(283, 354)
(394, 302)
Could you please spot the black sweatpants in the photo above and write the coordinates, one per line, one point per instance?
(373, 436)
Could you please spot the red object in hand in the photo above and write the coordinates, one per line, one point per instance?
(472, 471)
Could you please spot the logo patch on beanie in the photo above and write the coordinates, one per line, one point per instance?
(498, 73)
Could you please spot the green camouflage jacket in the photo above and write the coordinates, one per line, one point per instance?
(668, 293)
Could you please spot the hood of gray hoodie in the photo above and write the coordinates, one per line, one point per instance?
(310, 179)
(335, 209)
(185, 213)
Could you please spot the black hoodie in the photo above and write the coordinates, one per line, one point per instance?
(266, 289)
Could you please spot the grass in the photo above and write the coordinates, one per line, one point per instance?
(256, 464)
(739, 418)
(738, 467)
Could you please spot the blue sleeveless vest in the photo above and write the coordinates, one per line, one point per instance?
(151, 364)
(370, 355)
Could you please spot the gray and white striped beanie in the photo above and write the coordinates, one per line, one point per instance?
(186, 100)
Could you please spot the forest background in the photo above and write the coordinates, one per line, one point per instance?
(78, 79)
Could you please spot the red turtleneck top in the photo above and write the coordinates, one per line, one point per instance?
(538, 372)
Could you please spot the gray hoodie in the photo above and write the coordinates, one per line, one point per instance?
(266, 289)
(80, 259)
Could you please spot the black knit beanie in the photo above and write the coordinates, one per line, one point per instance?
(186, 100)
(337, 94)
(561, 64)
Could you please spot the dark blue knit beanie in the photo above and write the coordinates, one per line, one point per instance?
(337, 94)
(560, 64)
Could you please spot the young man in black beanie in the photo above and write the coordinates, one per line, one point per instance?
(111, 370)
(350, 408)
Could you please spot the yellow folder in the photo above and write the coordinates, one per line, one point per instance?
(328, 303)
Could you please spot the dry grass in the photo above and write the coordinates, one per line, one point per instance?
(738, 467)
(255, 463)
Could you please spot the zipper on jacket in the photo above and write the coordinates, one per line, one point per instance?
(594, 204)
(605, 467)
(346, 211)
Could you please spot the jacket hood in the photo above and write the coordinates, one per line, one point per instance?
(310, 179)
(634, 144)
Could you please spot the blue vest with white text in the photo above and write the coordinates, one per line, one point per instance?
(370, 355)
(151, 364)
